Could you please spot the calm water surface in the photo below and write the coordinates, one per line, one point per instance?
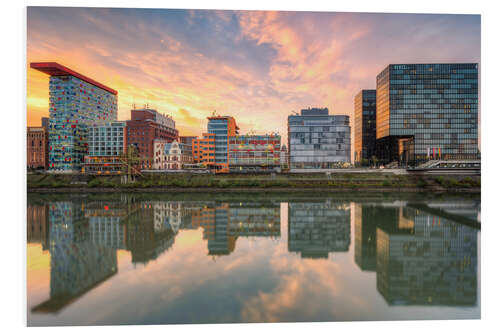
(160, 258)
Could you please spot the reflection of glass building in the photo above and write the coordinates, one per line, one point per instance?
(254, 220)
(364, 124)
(427, 260)
(318, 228)
(367, 218)
(427, 111)
(317, 140)
(75, 102)
(365, 241)
(223, 223)
(76, 263)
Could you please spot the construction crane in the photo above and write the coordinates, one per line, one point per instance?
(131, 159)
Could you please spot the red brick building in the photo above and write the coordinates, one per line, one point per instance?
(37, 143)
(146, 125)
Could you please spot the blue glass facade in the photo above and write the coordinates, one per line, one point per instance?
(219, 127)
(427, 111)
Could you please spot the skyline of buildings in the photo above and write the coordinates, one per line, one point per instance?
(321, 62)
(422, 111)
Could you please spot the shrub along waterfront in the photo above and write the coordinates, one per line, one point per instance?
(289, 181)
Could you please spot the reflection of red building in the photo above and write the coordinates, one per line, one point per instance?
(38, 224)
(145, 126)
(37, 147)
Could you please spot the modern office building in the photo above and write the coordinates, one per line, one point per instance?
(317, 140)
(107, 144)
(364, 125)
(187, 140)
(37, 144)
(75, 102)
(254, 152)
(427, 111)
(145, 126)
(222, 127)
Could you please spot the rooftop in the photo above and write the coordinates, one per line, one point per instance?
(55, 69)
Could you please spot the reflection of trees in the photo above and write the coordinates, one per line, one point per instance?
(317, 228)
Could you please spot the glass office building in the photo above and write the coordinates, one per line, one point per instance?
(427, 111)
(364, 125)
(75, 103)
(222, 127)
(107, 139)
(317, 140)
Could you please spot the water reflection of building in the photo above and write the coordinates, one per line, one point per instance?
(427, 260)
(38, 224)
(223, 223)
(142, 240)
(317, 228)
(76, 263)
(254, 220)
(106, 225)
(365, 242)
(174, 215)
(366, 220)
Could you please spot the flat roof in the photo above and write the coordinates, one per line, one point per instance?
(55, 69)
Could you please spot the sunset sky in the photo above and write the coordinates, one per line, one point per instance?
(256, 66)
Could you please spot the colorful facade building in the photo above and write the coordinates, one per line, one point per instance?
(145, 126)
(75, 102)
(171, 156)
(254, 152)
(37, 143)
(107, 144)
